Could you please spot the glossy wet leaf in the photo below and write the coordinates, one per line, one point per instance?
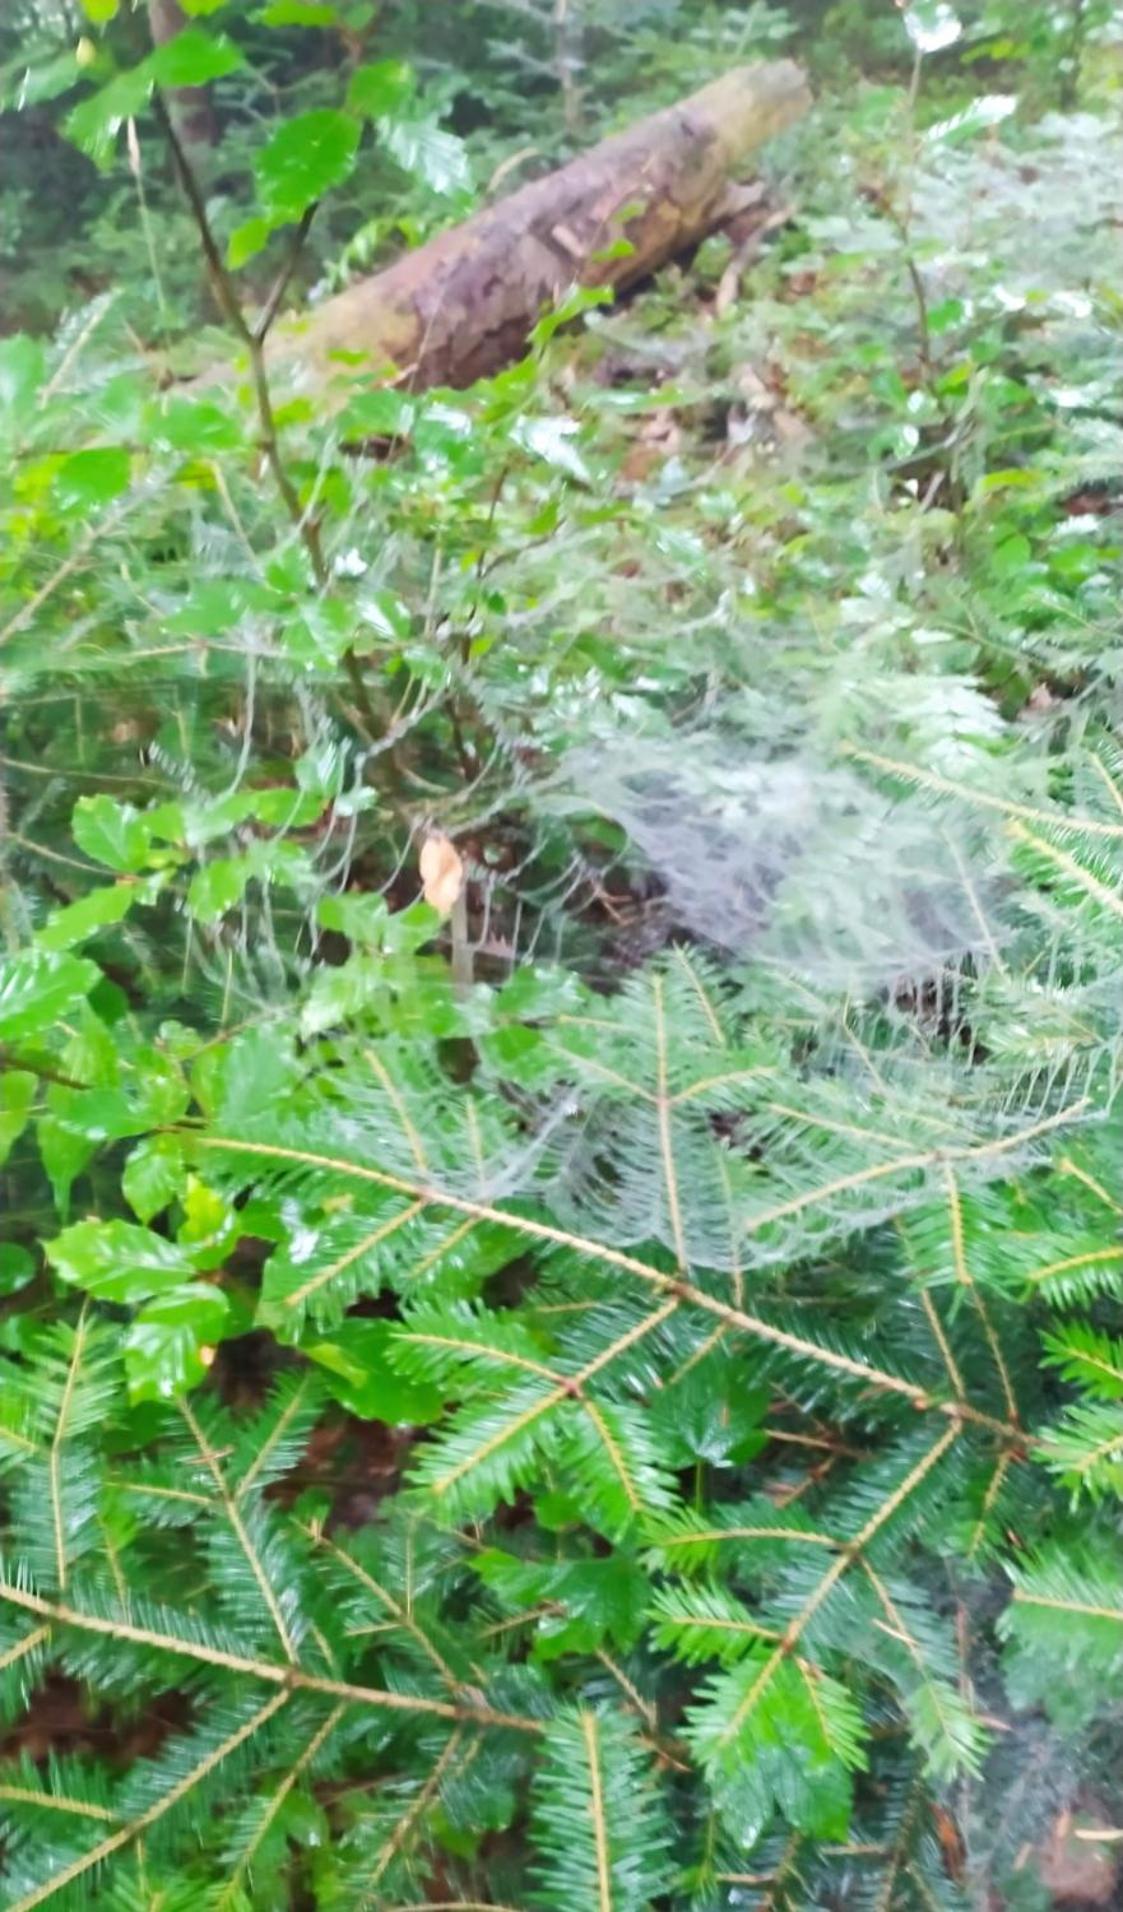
(111, 833)
(76, 922)
(170, 1341)
(381, 88)
(360, 1377)
(91, 478)
(39, 986)
(17, 1095)
(304, 159)
(194, 57)
(154, 1175)
(117, 1261)
(17, 1265)
(196, 425)
(218, 886)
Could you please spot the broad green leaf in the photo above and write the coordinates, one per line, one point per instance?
(194, 57)
(990, 110)
(65, 1154)
(23, 366)
(99, 11)
(246, 241)
(166, 1344)
(98, 910)
(362, 918)
(196, 9)
(217, 604)
(385, 616)
(932, 25)
(711, 1414)
(341, 991)
(117, 1261)
(381, 88)
(156, 1086)
(366, 919)
(218, 886)
(321, 635)
(362, 1380)
(304, 159)
(95, 1116)
(553, 439)
(583, 298)
(91, 1055)
(39, 986)
(587, 1601)
(94, 123)
(191, 58)
(153, 1175)
(90, 478)
(44, 81)
(17, 1093)
(297, 13)
(257, 1068)
(17, 1265)
(283, 808)
(111, 833)
(425, 151)
(379, 414)
(210, 1227)
(195, 425)
(945, 314)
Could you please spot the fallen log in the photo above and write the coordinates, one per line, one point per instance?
(464, 304)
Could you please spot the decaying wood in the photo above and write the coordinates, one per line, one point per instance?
(464, 304)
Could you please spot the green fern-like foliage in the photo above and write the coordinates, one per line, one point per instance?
(608, 1397)
(601, 1312)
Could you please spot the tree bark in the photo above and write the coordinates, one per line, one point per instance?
(464, 304)
(190, 105)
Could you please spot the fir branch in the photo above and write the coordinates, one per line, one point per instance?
(273, 1804)
(241, 1534)
(126, 1835)
(1021, 813)
(290, 1676)
(422, 1198)
(840, 1565)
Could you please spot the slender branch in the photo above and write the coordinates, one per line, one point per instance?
(272, 304)
(305, 523)
(224, 293)
(11, 1059)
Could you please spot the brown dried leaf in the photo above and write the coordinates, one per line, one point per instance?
(442, 873)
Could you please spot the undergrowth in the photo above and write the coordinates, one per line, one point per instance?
(596, 1385)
